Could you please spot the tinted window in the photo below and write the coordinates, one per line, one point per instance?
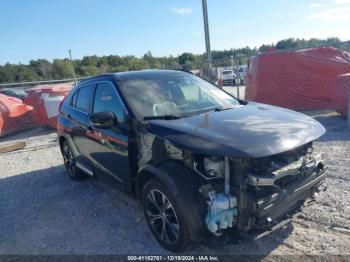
(83, 99)
(106, 99)
(74, 99)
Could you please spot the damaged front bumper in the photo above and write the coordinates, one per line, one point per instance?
(271, 209)
(259, 197)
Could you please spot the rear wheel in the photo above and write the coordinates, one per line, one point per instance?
(69, 162)
(164, 216)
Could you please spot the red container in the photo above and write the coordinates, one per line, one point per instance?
(301, 80)
(45, 100)
(14, 115)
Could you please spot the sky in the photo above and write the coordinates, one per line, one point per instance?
(32, 29)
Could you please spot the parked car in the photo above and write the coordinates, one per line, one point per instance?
(14, 92)
(228, 77)
(195, 157)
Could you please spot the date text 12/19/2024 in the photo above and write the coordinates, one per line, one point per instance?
(173, 258)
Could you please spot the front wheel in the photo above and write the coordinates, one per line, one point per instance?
(164, 216)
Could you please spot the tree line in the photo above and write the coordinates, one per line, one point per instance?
(43, 69)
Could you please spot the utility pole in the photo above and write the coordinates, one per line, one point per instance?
(238, 77)
(73, 70)
(207, 37)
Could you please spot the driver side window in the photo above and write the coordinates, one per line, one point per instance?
(106, 99)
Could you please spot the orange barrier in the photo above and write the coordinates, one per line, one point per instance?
(14, 115)
(46, 99)
(301, 80)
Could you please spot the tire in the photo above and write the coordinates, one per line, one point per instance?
(69, 162)
(164, 216)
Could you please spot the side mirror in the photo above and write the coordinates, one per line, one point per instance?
(104, 120)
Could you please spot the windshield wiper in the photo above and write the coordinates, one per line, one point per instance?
(221, 108)
(165, 117)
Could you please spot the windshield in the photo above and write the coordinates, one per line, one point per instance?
(176, 95)
(227, 72)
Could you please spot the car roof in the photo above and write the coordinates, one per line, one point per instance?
(133, 75)
(145, 74)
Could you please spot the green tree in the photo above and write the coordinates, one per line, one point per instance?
(90, 61)
(186, 58)
(114, 60)
(42, 67)
(62, 69)
(89, 70)
(25, 73)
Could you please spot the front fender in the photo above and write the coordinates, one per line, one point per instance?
(178, 180)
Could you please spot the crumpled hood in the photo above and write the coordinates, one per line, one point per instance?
(252, 130)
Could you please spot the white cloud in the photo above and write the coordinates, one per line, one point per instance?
(341, 1)
(182, 10)
(333, 14)
(316, 5)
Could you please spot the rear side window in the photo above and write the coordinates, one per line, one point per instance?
(74, 99)
(107, 100)
(83, 97)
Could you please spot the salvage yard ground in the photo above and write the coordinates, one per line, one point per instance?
(43, 212)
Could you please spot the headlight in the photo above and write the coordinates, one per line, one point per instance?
(209, 167)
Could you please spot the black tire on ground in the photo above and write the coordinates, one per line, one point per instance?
(166, 219)
(69, 162)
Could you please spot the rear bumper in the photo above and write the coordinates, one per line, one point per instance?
(228, 81)
(272, 209)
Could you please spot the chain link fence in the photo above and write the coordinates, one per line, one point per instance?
(28, 112)
(314, 78)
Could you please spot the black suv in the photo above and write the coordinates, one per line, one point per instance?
(198, 159)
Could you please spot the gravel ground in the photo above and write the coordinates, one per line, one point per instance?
(43, 212)
(233, 90)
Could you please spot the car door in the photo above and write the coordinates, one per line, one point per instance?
(81, 105)
(110, 148)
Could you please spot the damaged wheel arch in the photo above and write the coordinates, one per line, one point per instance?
(175, 177)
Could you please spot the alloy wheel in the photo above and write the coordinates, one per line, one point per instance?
(162, 217)
(68, 159)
